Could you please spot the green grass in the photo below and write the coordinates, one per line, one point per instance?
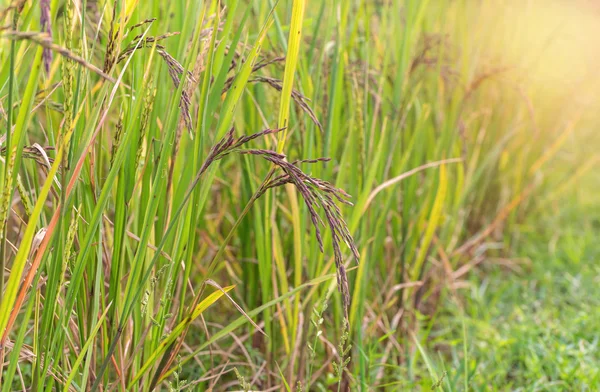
(529, 322)
(147, 243)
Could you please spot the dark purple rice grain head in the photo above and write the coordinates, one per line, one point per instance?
(316, 193)
(46, 23)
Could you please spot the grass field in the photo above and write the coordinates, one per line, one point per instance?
(527, 323)
(299, 196)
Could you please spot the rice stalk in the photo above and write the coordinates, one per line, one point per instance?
(45, 42)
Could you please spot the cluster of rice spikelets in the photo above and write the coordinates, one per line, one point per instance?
(316, 193)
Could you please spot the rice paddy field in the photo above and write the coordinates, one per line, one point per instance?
(293, 195)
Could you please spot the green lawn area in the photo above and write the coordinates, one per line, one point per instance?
(531, 323)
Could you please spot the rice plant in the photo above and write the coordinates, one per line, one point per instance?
(255, 195)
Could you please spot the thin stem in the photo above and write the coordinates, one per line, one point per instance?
(8, 141)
